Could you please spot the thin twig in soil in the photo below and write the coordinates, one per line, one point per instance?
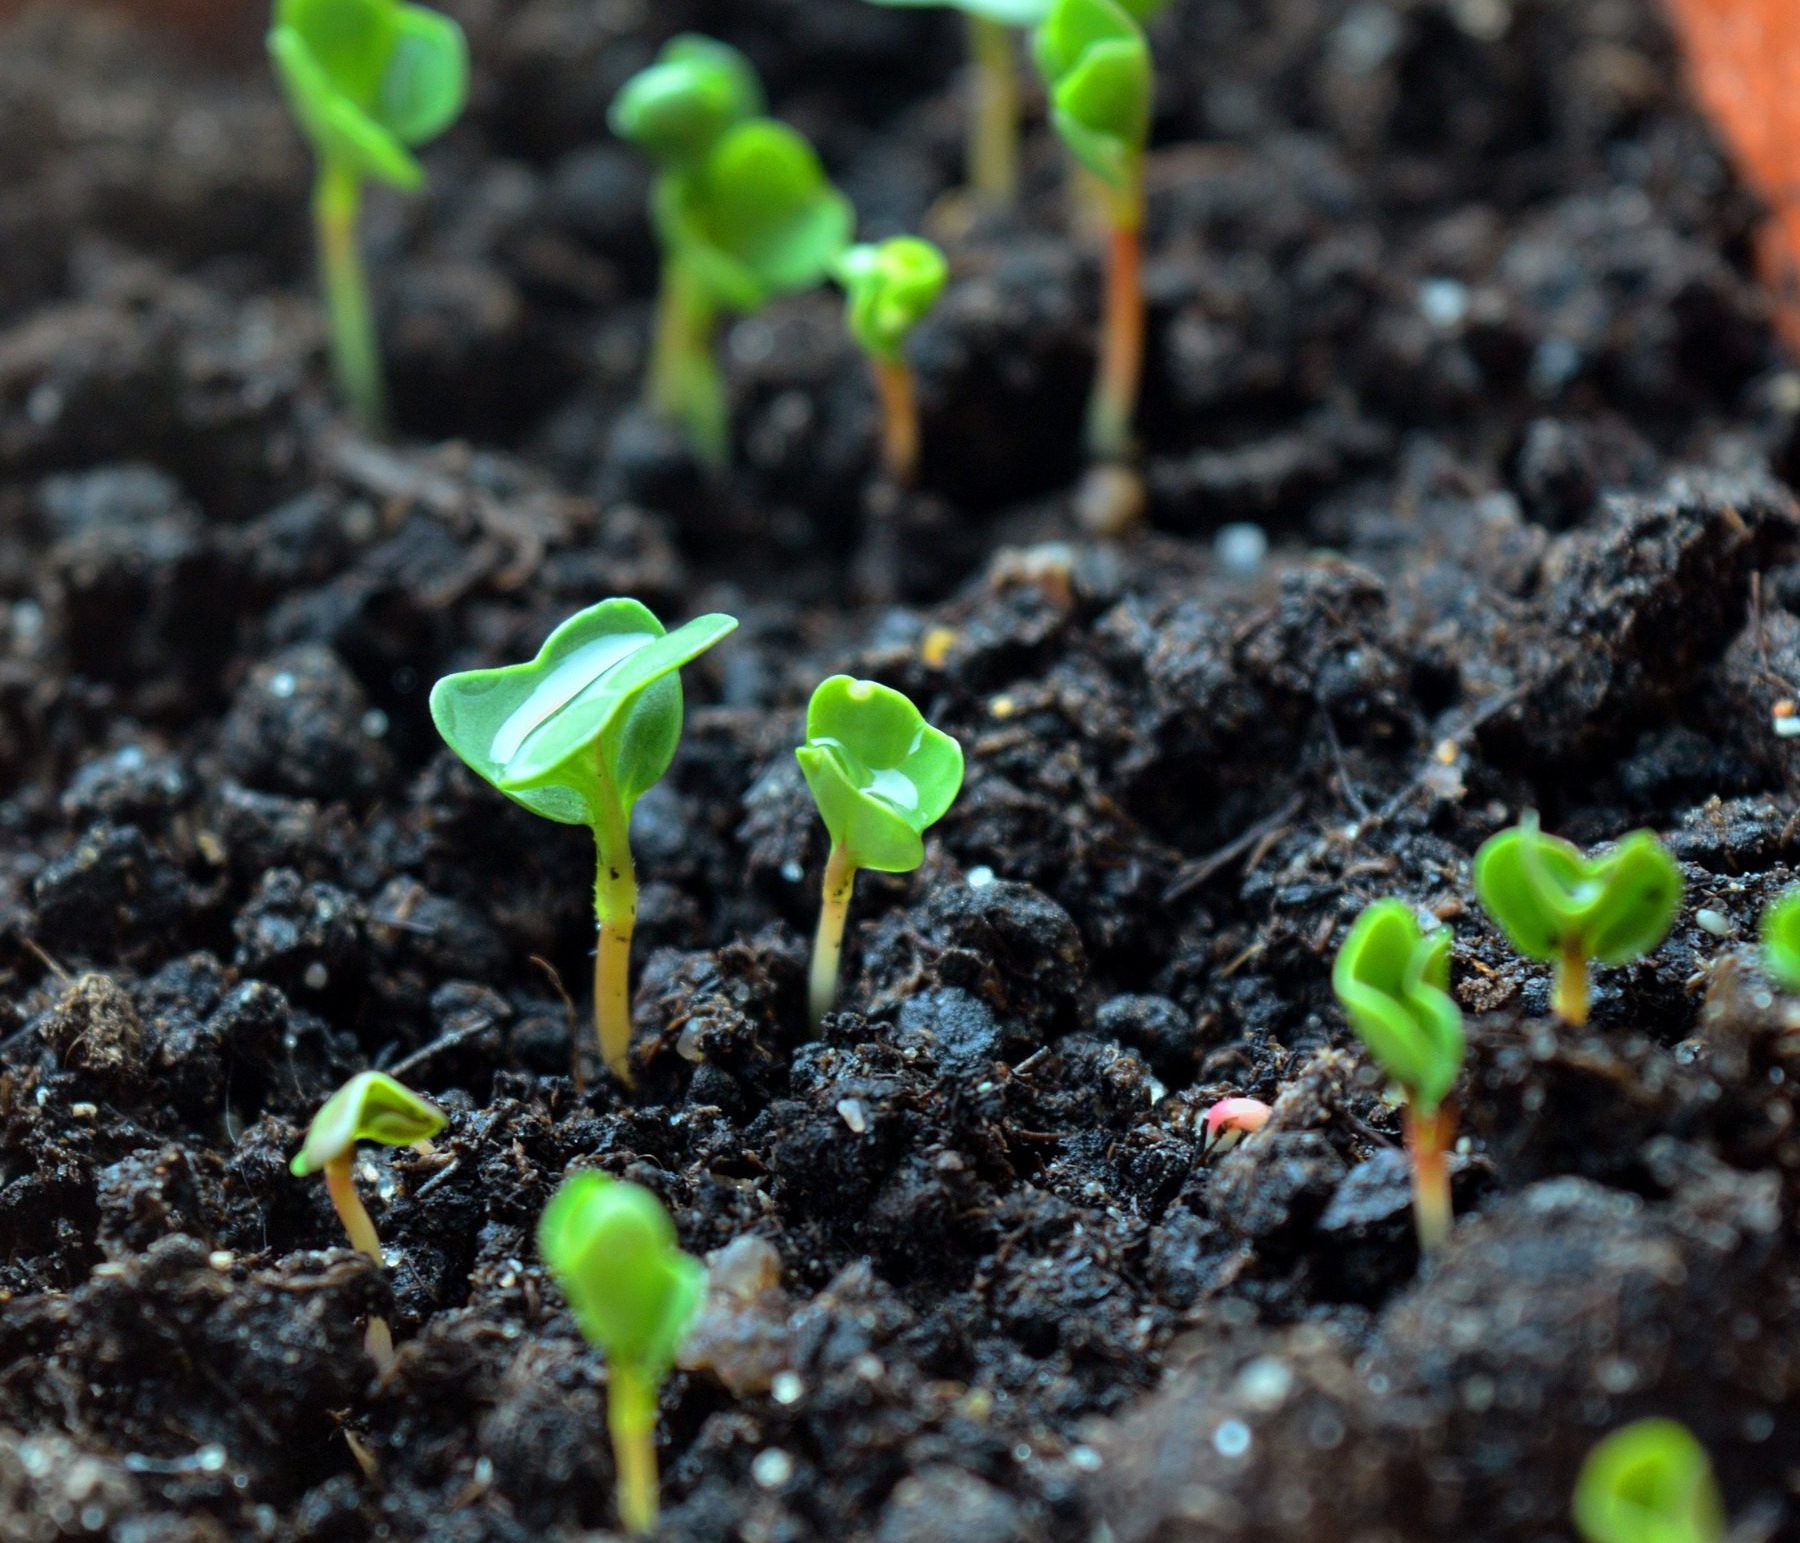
(1192, 876)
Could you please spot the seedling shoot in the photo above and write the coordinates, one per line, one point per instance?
(634, 1293)
(368, 81)
(578, 735)
(880, 775)
(371, 1106)
(1557, 905)
(1781, 940)
(890, 287)
(1649, 1482)
(1096, 66)
(1393, 982)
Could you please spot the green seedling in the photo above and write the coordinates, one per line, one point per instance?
(1557, 905)
(371, 1106)
(1393, 981)
(368, 81)
(742, 209)
(880, 775)
(1096, 66)
(1649, 1482)
(890, 287)
(578, 735)
(1781, 940)
(634, 1293)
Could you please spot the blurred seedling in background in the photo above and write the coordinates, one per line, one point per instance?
(890, 287)
(1096, 65)
(743, 212)
(578, 735)
(635, 1294)
(368, 82)
(1230, 1121)
(1393, 981)
(880, 775)
(1557, 905)
(1649, 1482)
(371, 1106)
(1781, 940)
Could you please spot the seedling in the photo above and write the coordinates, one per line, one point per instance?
(368, 81)
(1096, 65)
(1393, 981)
(578, 735)
(880, 775)
(634, 1293)
(742, 209)
(371, 1106)
(1229, 1121)
(1649, 1482)
(891, 287)
(1557, 905)
(1781, 940)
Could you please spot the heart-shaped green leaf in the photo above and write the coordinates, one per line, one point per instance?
(676, 110)
(1649, 1482)
(371, 1106)
(1393, 982)
(890, 287)
(878, 771)
(598, 708)
(1096, 65)
(1552, 902)
(612, 1249)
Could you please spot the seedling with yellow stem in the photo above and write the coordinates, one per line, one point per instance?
(890, 287)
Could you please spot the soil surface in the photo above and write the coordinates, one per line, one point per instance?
(1450, 299)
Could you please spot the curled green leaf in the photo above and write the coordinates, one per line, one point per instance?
(1781, 940)
(890, 287)
(678, 109)
(1096, 65)
(371, 1106)
(1393, 981)
(1649, 1482)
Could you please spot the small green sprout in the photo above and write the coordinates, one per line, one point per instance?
(634, 1293)
(371, 1106)
(743, 211)
(1556, 905)
(1393, 981)
(368, 80)
(1096, 65)
(1781, 940)
(578, 735)
(1649, 1482)
(880, 775)
(890, 287)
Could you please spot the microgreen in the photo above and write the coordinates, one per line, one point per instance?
(578, 735)
(1557, 905)
(371, 1106)
(1649, 1482)
(1229, 1121)
(1393, 982)
(1096, 66)
(634, 1294)
(890, 287)
(1781, 940)
(743, 211)
(880, 774)
(368, 81)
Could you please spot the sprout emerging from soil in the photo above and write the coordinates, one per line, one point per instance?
(1229, 1121)
(1781, 940)
(890, 288)
(1096, 65)
(1649, 1482)
(578, 735)
(742, 209)
(1393, 981)
(367, 80)
(635, 1294)
(371, 1106)
(1557, 905)
(880, 775)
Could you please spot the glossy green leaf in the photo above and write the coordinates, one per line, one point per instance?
(757, 218)
(1781, 940)
(1649, 1482)
(676, 110)
(1393, 982)
(878, 771)
(600, 704)
(612, 1249)
(890, 287)
(371, 1106)
(1550, 900)
(368, 78)
(1096, 65)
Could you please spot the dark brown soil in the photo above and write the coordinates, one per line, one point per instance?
(1451, 297)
